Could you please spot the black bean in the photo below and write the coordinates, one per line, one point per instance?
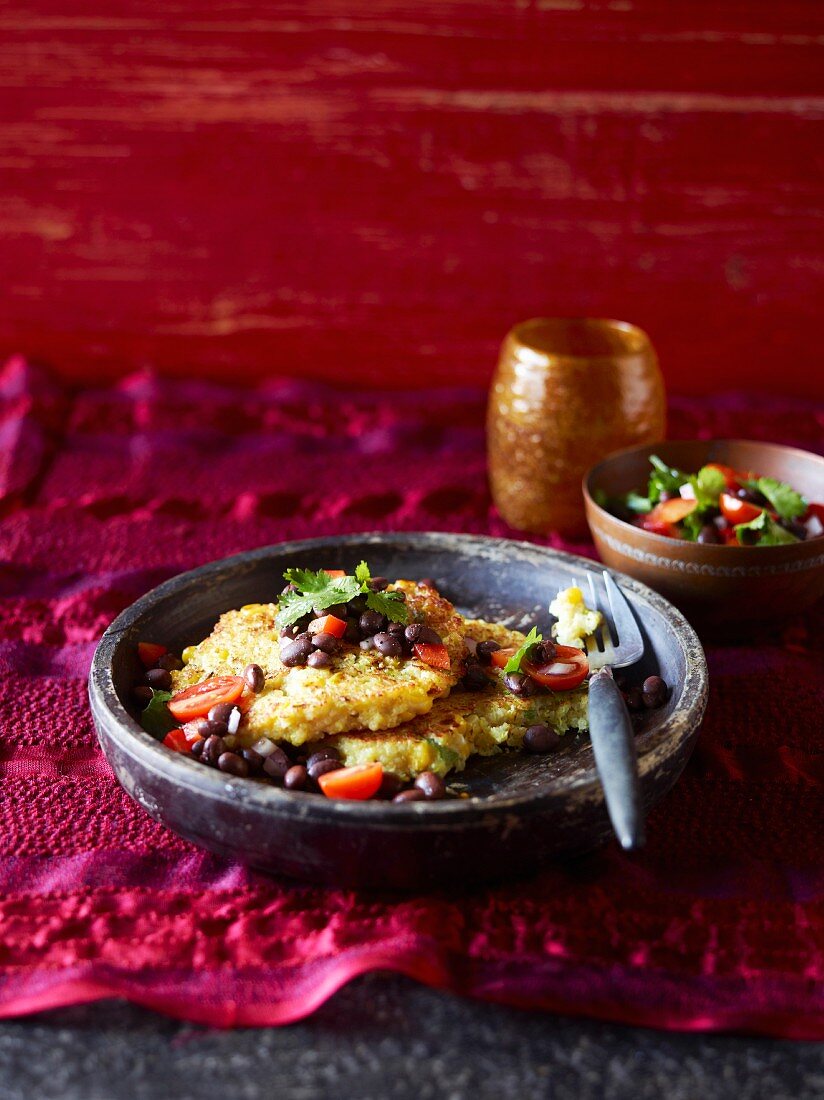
(390, 785)
(654, 692)
(221, 712)
(323, 767)
(396, 628)
(213, 749)
(290, 631)
(212, 727)
(295, 778)
(319, 659)
(484, 651)
(530, 688)
(352, 634)
(545, 652)
(377, 584)
(322, 754)
(295, 653)
(357, 606)
(411, 795)
(367, 643)
(432, 786)
(372, 622)
(427, 582)
(634, 699)
(197, 749)
(339, 610)
(389, 645)
(159, 679)
(541, 738)
(412, 633)
(709, 535)
(255, 678)
(277, 763)
(474, 678)
(143, 694)
(797, 529)
(428, 636)
(327, 642)
(170, 661)
(233, 764)
(303, 637)
(253, 759)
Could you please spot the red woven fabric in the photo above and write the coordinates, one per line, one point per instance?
(719, 923)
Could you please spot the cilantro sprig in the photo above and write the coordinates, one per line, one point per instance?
(156, 718)
(527, 650)
(787, 503)
(763, 531)
(320, 590)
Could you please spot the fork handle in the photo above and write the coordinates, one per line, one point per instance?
(613, 744)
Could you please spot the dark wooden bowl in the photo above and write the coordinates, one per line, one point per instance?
(714, 585)
(524, 809)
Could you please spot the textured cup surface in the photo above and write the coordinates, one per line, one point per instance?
(566, 393)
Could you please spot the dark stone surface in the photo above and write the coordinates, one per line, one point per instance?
(385, 1038)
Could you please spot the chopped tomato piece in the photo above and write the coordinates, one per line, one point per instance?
(328, 624)
(816, 510)
(565, 671)
(335, 572)
(150, 653)
(356, 783)
(657, 526)
(735, 510)
(673, 511)
(198, 700)
(181, 740)
(501, 656)
(435, 655)
(731, 477)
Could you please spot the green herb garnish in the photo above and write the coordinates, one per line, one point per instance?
(664, 479)
(763, 531)
(448, 756)
(533, 640)
(319, 590)
(156, 718)
(785, 500)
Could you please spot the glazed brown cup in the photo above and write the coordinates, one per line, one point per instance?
(713, 585)
(567, 392)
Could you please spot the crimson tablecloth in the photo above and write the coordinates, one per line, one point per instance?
(719, 923)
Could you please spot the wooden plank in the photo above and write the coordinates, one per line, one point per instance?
(375, 192)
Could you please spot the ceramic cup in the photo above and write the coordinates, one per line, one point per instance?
(566, 393)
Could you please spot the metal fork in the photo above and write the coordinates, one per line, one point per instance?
(616, 644)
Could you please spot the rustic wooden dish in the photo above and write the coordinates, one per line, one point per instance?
(524, 809)
(713, 585)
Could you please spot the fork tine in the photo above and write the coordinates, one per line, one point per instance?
(623, 619)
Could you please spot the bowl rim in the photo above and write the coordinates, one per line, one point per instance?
(112, 718)
(764, 553)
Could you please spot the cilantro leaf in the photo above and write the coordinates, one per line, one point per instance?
(533, 638)
(389, 604)
(787, 502)
(362, 574)
(763, 531)
(691, 525)
(156, 718)
(317, 590)
(709, 483)
(664, 479)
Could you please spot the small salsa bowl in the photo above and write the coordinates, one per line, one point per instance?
(713, 585)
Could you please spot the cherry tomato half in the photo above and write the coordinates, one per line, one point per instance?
(328, 624)
(736, 511)
(565, 671)
(356, 783)
(198, 700)
(181, 740)
(673, 511)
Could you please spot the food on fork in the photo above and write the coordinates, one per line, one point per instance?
(378, 684)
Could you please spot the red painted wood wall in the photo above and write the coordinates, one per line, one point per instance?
(377, 190)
